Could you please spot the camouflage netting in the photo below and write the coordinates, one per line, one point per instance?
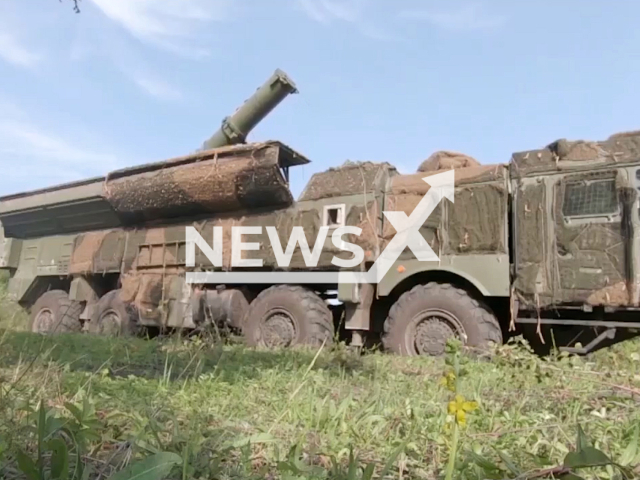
(621, 147)
(477, 220)
(210, 186)
(579, 253)
(284, 221)
(351, 178)
(446, 160)
(430, 230)
(233, 178)
(631, 133)
(589, 257)
(413, 183)
(368, 218)
(531, 218)
(475, 223)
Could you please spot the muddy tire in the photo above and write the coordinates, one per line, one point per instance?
(424, 318)
(285, 316)
(112, 317)
(54, 312)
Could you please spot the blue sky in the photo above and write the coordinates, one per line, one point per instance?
(131, 81)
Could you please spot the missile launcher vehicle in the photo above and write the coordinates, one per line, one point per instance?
(551, 237)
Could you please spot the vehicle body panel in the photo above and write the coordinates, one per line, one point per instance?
(575, 207)
(555, 227)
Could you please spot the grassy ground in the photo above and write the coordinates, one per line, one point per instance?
(12, 317)
(232, 412)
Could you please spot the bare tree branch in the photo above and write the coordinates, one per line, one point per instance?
(76, 8)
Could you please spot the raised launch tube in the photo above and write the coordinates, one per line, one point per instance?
(235, 128)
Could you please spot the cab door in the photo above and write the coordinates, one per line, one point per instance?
(633, 250)
(591, 239)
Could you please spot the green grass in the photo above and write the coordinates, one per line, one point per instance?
(207, 400)
(12, 316)
(233, 412)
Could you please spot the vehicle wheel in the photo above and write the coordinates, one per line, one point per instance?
(285, 315)
(424, 318)
(112, 317)
(55, 312)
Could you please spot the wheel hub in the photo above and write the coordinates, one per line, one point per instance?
(44, 321)
(279, 330)
(110, 323)
(433, 330)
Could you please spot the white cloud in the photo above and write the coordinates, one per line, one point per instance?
(348, 11)
(12, 51)
(169, 24)
(32, 157)
(469, 17)
(13, 48)
(326, 10)
(24, 139)
(141, 74)
(157, 88)
(313, 9)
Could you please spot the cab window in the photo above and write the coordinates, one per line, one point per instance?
(590, 198)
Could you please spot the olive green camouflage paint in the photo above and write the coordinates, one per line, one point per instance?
(235, 128)
(137, 233)
(562, 258)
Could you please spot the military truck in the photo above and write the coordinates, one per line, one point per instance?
(549, 238)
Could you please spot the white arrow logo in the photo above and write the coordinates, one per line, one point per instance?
(408, 227)
(408, 235)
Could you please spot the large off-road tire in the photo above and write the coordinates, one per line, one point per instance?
(286, 315)
(424, 318)
(113, 317)
(54, 312)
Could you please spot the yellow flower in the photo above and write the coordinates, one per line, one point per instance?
(449, 381)
(459, 407)
(461, 418)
